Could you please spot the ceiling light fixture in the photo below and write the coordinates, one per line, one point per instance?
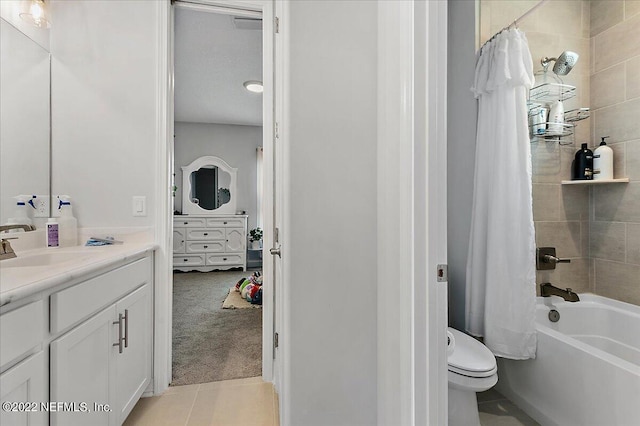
(253, 86)
(36, 15)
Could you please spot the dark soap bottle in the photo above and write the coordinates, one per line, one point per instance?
(583, 164)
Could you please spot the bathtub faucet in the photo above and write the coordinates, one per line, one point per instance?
(546, 290)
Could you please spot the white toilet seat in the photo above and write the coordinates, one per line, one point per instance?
(468, 357)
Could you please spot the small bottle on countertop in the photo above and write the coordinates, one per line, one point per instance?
(603, 161)
(68, 224)
(52, 233)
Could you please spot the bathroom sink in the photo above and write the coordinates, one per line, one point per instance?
(42, 259)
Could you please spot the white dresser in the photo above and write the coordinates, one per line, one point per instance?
(208, 243)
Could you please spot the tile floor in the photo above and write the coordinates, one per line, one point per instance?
(230, 403)
(496, 410)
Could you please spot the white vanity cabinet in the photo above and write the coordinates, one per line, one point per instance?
(207, 243)
(106, 359)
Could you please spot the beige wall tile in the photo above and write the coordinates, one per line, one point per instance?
(619, 159)
(547, 162)
(618, 44)
(605, 14)
(608, 87)
(617, 202)
(561, 17)
(608, 240)
(619, 121)
(585, 229)
(586, 19)
(564, 236)
(574, 202)
(631, 7)
(632, 159)
(546, 202)
(633, 243)
(618, 281)
(633, 77)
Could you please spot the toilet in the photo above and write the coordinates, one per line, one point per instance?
(472, 368)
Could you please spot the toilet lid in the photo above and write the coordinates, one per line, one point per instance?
(469, 357)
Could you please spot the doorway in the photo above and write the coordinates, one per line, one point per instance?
(217, 331)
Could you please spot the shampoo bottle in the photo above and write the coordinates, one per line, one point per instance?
(68, 224)
(603, 161)
(556, 118)
(52, 233)
(583, 164)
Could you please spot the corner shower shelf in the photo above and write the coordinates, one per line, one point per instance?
(594, 182)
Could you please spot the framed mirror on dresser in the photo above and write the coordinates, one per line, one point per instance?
(209, 235)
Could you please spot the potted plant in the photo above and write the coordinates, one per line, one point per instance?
(255, 236)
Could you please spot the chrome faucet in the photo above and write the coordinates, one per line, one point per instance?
(6, 251)
(546, 290)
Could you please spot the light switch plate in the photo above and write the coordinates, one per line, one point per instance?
(139, 205)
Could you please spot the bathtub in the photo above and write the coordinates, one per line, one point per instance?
(587, 366)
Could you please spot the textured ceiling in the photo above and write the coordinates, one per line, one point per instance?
(212, 60)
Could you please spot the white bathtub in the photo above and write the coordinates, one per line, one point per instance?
(587, 366)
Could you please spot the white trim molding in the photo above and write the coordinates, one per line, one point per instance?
(412, 369)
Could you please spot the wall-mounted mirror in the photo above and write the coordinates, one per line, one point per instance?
(209, 187)
(24, 118)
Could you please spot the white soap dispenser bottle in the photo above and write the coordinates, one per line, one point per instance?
(21, 217)
(603, 161)
(68, 223)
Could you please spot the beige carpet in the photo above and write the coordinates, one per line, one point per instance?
(211, 343)
(234, 300)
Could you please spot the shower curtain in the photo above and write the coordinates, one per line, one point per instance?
(500, 287)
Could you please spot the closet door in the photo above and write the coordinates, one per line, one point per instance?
(235, 240)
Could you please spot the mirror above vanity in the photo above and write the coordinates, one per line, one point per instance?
(209, 187)
(24, 118)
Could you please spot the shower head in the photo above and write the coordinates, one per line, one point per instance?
(564, 63)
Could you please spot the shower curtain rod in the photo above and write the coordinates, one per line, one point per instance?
(515, 21)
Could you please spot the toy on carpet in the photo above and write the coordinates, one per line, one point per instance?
(251, 288)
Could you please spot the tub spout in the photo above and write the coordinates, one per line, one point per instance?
(546, 290)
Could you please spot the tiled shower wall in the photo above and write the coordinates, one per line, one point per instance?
(615, 101)
(597, 227)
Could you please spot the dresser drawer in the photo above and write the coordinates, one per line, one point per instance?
(21, 329)
(188, 260)
(205, 247)
(75, 303)
(189, 222)
(225, 259)
(205, 234)
(229, 222)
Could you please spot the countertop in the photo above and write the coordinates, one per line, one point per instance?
(76, 262)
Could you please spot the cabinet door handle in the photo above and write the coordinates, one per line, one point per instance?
(120, 338)
(126, 328)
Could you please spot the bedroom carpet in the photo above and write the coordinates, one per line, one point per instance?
(210, 343)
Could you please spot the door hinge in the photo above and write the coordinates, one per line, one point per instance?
(276, 132)
(275, 340)
(276, 235)
(276, 25)
(442, 273)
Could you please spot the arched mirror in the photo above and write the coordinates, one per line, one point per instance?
(209, 187)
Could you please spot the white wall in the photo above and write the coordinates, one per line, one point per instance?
(462, 113)
(104, 108)
(234, 144)
(331, 233)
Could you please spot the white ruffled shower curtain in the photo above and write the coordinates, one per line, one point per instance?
(500, 288)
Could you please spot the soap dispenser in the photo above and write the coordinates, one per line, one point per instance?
(603, 161)
(21, 217)
(68, 224)
(583, 164)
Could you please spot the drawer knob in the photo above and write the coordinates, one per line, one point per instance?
(186, 223)
(206, 233)
(225, 223)
(224, 258)
(206, 246)
(185, 260)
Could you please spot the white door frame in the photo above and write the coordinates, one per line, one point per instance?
(164, 163)
(412, 363)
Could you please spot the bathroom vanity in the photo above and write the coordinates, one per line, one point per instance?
(77, 331)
